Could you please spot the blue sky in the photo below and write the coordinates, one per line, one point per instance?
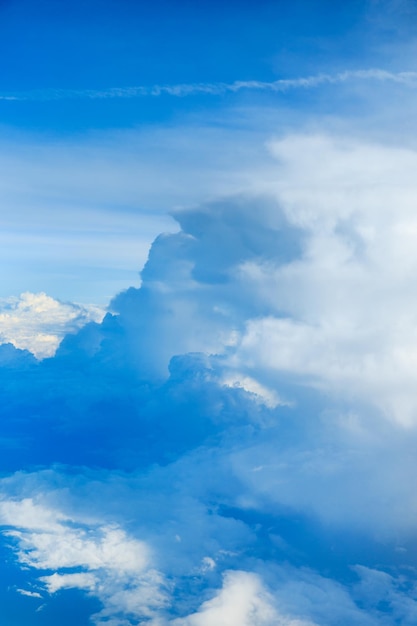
(208, 313)
(95, 156)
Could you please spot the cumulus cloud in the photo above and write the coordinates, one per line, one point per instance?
(38, 323)
(241, 602)
(233, 443)
(310, 278)
(343, 314)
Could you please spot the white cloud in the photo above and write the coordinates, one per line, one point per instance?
(262, 394)
(29, 594)
(116, 568)
(314, 283)
(120, 571)
(343, 316)
(243, 601)
(83, 580)
(30, 516)
(335, 311)
(38, 323)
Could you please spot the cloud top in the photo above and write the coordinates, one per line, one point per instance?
(38, 323)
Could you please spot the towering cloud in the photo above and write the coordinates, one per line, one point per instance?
(232, 444)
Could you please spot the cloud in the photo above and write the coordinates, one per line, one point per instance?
(232, 443)
(241, 602)
(267, 396)
(344, 315)
(309, 278)
(242, 426)
(121, 184)
(38, 323)
(199, 301)
(375, 585)
(406, 78)
(114, 567)
(29, 594)
(120, 571)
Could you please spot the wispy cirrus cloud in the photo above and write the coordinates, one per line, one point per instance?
(281, 85)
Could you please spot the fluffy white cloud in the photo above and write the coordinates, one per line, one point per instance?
(115, 568)
(38, 323)
(343, 315)
(55, 582)
(30, 516)
(309, 276)
(243, 601)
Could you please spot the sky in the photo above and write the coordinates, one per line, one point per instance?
(208, 313)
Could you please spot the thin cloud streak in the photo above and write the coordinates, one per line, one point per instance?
(408, 79)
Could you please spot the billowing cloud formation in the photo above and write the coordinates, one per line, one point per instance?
(311, 280)
(343, 314)
(233, 444)
(37, 322)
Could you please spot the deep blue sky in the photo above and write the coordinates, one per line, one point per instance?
(98, 45)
